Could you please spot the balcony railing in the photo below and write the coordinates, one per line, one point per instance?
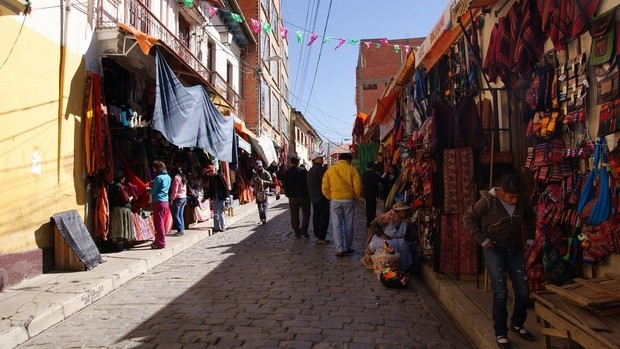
(136, 14)
(231, 96)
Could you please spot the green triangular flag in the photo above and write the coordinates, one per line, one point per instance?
(236, 17)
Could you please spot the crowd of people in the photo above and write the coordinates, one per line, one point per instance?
(328, 195)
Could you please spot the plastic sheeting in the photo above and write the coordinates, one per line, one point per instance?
(187, 117)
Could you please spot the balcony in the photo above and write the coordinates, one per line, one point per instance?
(229, 94)
(136, 14)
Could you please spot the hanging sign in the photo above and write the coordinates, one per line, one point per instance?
(444, 23)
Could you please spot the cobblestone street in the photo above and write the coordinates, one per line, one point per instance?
(257, 286)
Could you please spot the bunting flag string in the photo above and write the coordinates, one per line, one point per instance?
(256, 27)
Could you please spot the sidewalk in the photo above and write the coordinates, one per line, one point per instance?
(35, 305)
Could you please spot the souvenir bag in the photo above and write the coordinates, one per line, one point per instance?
(600, 241)
(602, 208)
(603, 32)
(607, 81)
(587, 197)
(556, 269)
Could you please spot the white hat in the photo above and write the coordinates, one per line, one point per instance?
(316, 155)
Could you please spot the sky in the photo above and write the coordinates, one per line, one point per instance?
(322, 80)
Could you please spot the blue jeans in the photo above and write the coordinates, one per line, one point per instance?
(262, 210)
(501, 261)
(177, 214)
(218, 215)
(342, 214)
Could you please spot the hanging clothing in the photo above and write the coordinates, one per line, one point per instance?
(456, 128)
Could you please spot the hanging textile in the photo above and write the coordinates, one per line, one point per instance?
(367, 152)
(187, 117)
(458, 248)
(458, 180)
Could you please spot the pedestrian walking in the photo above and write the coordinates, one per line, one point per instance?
(389, 179)
(261, 181)
(159, 188)
(370, 183)
(320, 204)
(216, 189)
(496, 222)
(296, 189)
(342, 185)
(178, 197)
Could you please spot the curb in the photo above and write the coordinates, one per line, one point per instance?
(35, 305)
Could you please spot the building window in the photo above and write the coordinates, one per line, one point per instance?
(184, 31)
(211, 55)
(370, 86)
(275, 111)
(229, 74)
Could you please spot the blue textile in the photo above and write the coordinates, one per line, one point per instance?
(187, 117)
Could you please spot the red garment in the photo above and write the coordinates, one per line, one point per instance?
(530, 40)
(580, 9)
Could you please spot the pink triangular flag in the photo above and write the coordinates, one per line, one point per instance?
(367, 43)
(340, 43)
(384, 41)
(312, 38)
(256, 27)
(212, 11)
(283, 33)
(407, 49)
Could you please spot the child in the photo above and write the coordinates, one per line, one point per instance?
(496, 222)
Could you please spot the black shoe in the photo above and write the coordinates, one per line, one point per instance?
(525, 334)
(305, 235)
(349, 251)
(502, 342)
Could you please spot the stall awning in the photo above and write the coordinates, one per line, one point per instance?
(443, 23)
(384, 105)
(243, 144)
(446, 31)
(265, 148)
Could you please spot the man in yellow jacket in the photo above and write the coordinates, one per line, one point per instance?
(342, 185)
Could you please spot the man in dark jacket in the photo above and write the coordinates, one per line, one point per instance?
(320, 204)
(217, 191)
(370, 182)
(496, 222)
(296, 189)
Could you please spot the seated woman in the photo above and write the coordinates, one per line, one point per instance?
(395, 228)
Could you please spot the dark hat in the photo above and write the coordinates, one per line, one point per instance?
(295, 158)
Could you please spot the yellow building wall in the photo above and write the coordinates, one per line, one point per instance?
(41, 158)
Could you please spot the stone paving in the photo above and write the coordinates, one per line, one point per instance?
(257, 286)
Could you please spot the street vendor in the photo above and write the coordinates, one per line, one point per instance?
(392, 232)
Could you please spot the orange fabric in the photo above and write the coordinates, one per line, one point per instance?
(145, 41)
(88, 127)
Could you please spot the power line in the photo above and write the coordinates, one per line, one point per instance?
(318, 61)
(15, 42)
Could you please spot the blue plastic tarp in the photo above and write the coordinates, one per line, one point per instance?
(187, 117)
